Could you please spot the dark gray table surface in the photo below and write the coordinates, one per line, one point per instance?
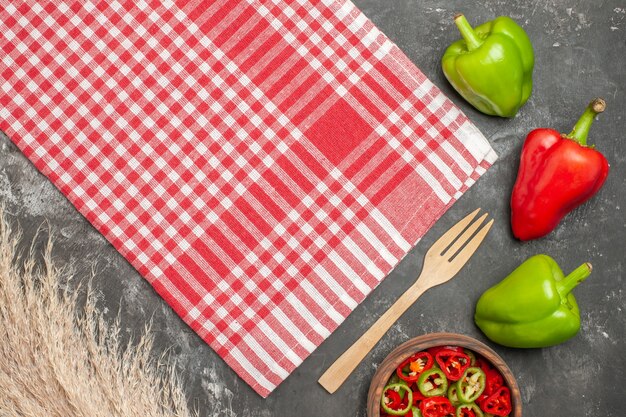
(580, 49)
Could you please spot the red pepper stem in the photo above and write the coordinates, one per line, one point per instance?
(581, 129)
(578, 275)
(471, 38)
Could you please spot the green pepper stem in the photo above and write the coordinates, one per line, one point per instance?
(578, 275)
(581, 129)
(471, 38)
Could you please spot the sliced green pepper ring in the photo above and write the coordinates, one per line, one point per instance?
(415, 412)
(469, 410)
(432, 382)
(386, 402)
(471, 385)
(453, 396)
(471, 356)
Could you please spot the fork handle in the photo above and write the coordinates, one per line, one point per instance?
(339, 371)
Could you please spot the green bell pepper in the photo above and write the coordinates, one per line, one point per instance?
(532, 307)
(492, 66)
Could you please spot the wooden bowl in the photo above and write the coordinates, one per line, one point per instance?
(395, 358)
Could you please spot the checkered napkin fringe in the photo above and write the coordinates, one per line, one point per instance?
(263, 164)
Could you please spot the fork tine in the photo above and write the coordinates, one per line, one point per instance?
(454, 231)
(472, 245)
(464, 237)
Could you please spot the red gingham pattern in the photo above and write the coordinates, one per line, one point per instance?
(263, 164)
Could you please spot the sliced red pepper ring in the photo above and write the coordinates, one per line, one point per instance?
(484, 364)
(498, 403)
(452, 363)
(417, 397)
(436, 407)
(410, 369)
(393, 399)
(394, 403)
(494, 381)
(432, 383)
(434, 350)
(471, 385)
(481, 399)
(468, 410)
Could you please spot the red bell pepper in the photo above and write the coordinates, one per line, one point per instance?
(433, 350)
(410, 369)
(417, 397)
(483, 364)
(394, 398)
(498, 403)
(494, 381)
(481, 400)
(394, 403)
(557, 173)
(436, 407)
(452, 363)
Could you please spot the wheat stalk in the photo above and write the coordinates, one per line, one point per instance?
(57, 361)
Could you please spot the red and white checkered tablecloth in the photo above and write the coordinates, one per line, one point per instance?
(263, 164)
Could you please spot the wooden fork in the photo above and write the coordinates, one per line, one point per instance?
(442, 261)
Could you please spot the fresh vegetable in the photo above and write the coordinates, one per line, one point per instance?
(498, 403)
(410, 369)
(493, 381)
(417, 397)
(493, 378)
(436, 407)
(452, 363)
(557, 173)
(471, 385)
(434, 395)
(471, 356)
(453, 395)
(483, 364)
(533, 306)
(413, 412)
(432, 382)
(397, 399)
(434, 350)
(481, 399)
(392, 398)
(469, 410)
(491, 67)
